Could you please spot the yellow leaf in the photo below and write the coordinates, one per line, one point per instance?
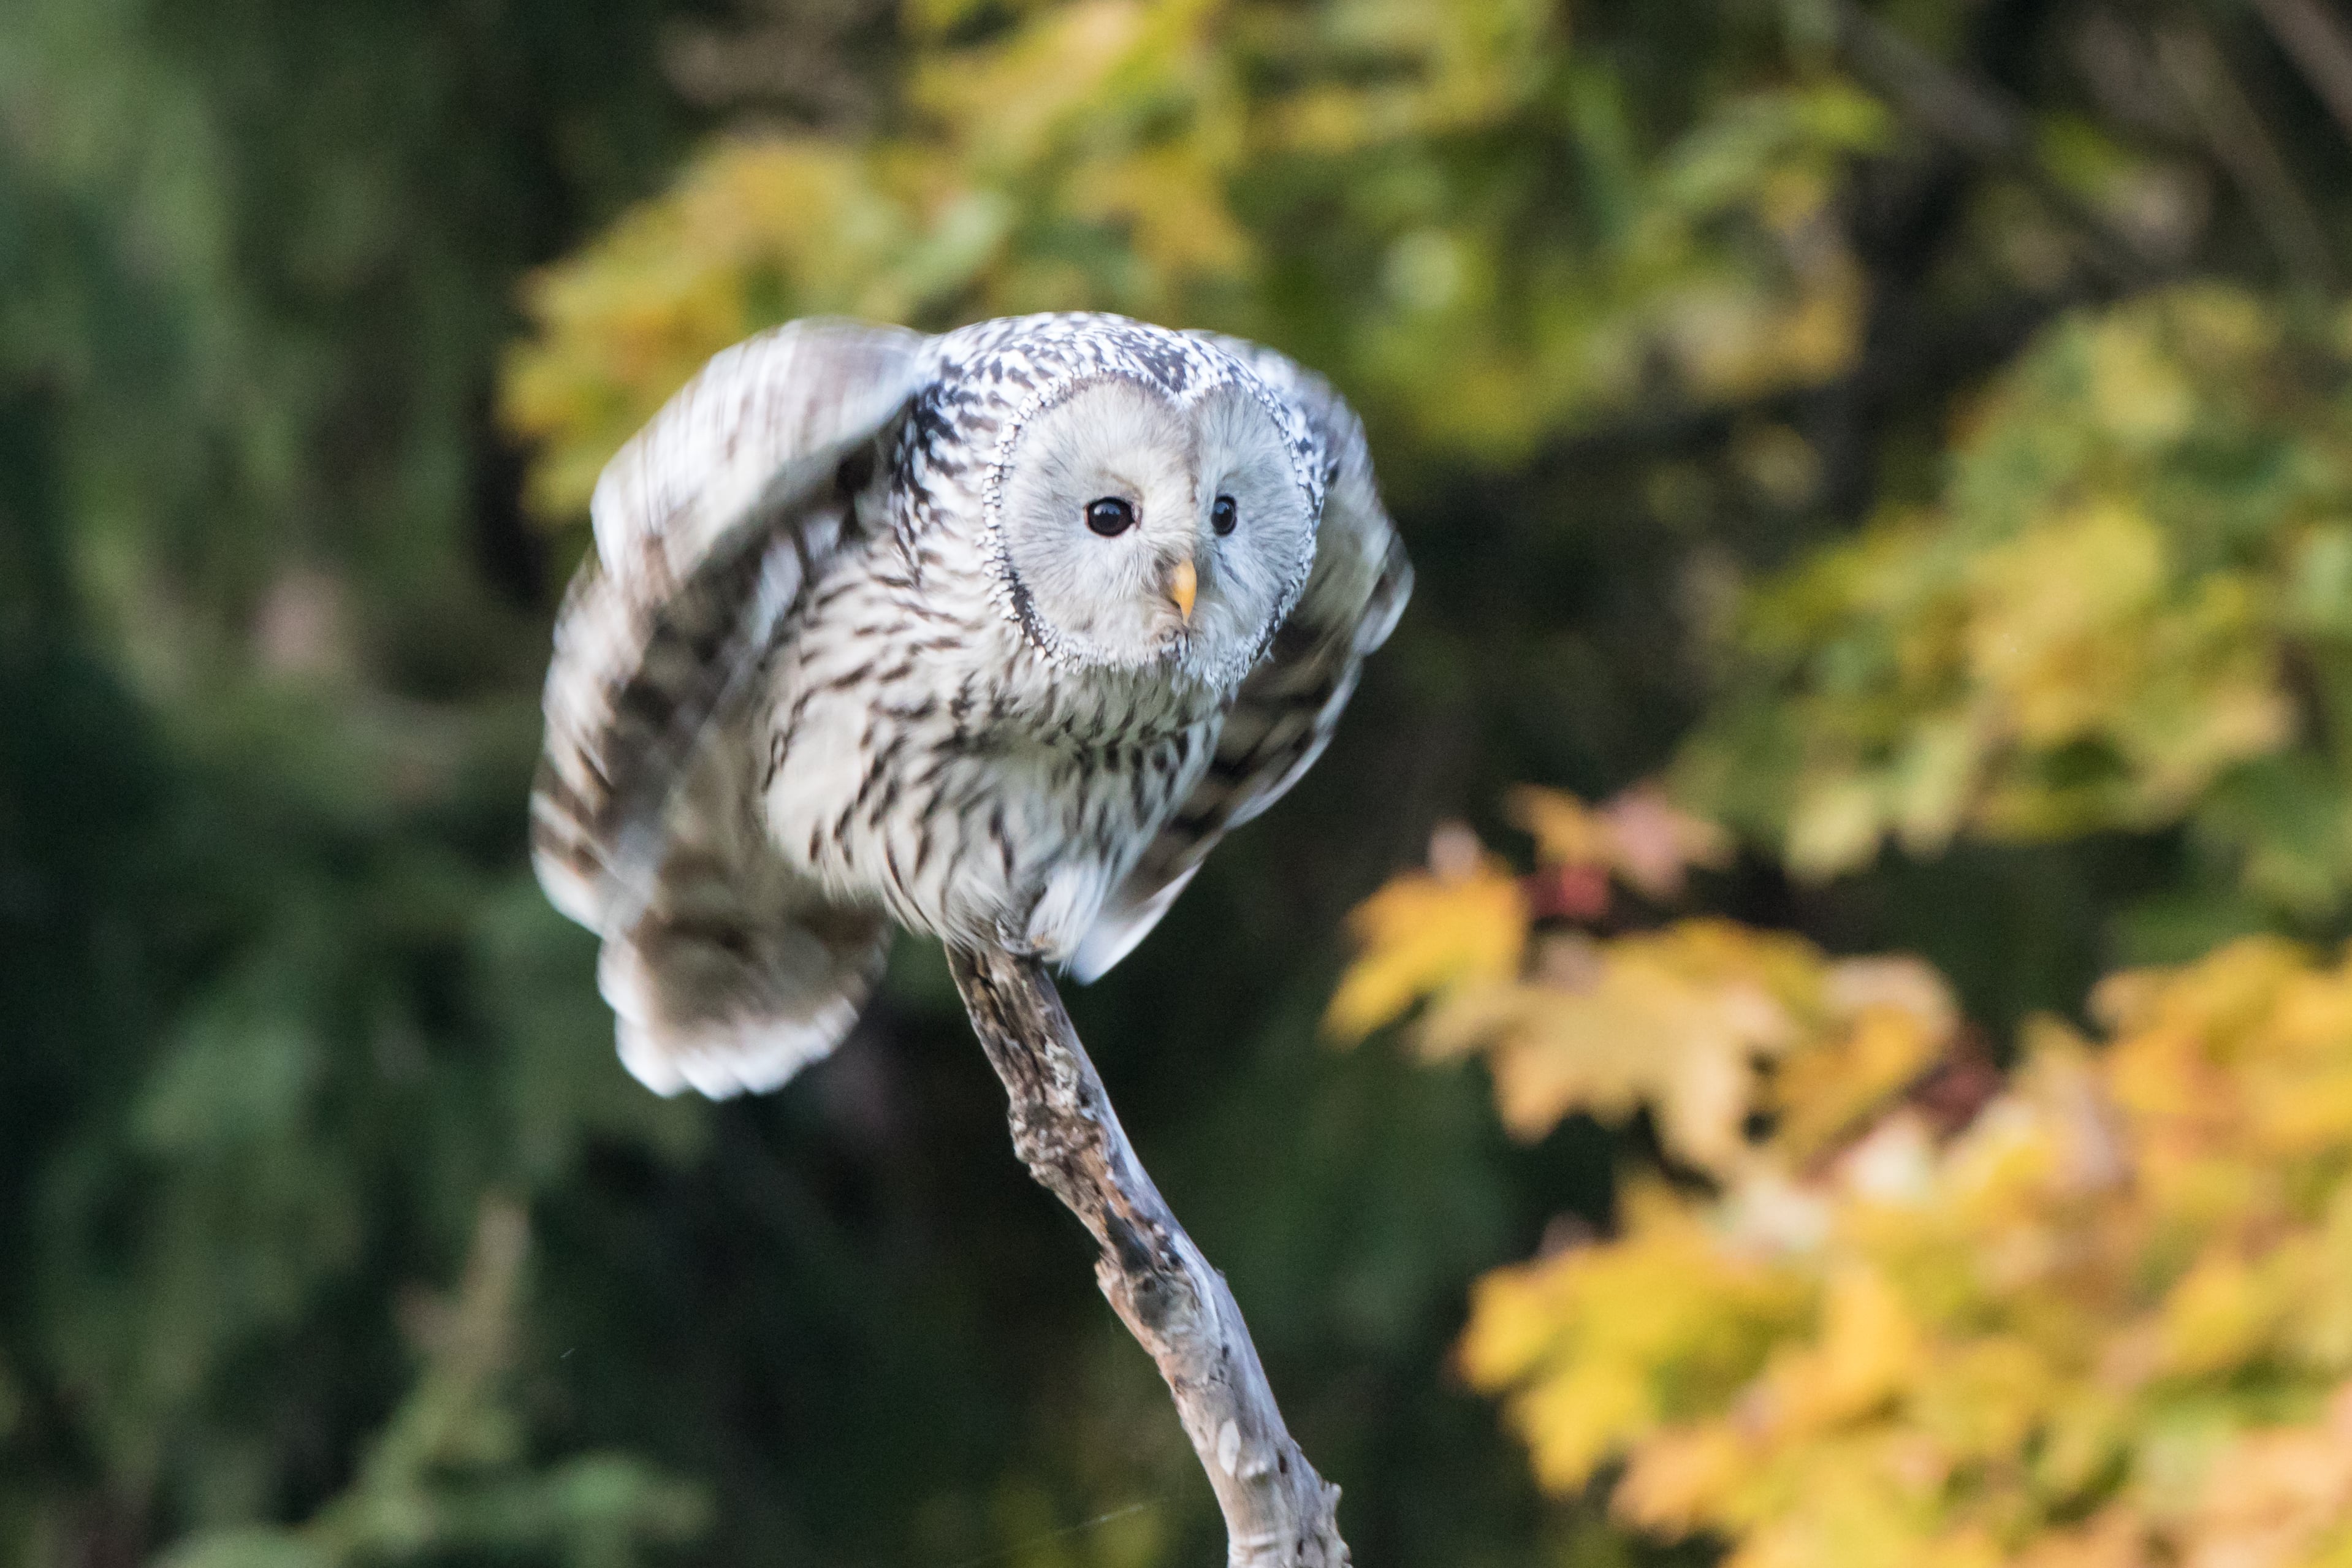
(1678, 1480)
(1567, 832)
(1866, 1355)
(1823, 1092)
(1579, 1416)
(2057, 628)
(2215, 1318)
(2319, 1316)
(1978, 1369)
(1983, 1399)
(1601, 1345)
(1006, 103)
(1849, 1513)
(2089, 1425)
(1515, 1315)
(1425, 933)
(1834, 827)
(1672, 1019)
(2138, 390)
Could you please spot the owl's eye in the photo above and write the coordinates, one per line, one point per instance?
(1225, 514)
(1110, 516)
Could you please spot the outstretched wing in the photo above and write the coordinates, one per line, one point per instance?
(725, 969)
(1286, 709)
(708, 523)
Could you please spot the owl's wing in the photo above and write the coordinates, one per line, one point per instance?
(727, 970)
(1286, 709)
(707, 522)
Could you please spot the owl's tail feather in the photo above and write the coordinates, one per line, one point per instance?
(736, 970)
(711, 1000)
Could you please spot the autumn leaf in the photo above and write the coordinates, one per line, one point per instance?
(1654, 843)
(1639, 835)
(1425, 933)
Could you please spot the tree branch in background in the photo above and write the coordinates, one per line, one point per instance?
(1278, 1512)
(1977, 120)
(2234, 132)
(2320, 48)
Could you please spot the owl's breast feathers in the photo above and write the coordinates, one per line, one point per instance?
(921, 755)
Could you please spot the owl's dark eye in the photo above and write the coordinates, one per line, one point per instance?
(1225, 514)
(1110, 516)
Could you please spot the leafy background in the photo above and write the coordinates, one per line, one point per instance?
(1881, 479)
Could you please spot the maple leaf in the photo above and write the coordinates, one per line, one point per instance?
(1654, 844)
(1426, 933)
(1567, 832)
(1639, 835)
(1675, 1020)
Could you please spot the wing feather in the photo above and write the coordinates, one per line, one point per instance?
(727, 970)
(708, 524)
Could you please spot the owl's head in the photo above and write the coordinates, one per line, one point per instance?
(1142, 523)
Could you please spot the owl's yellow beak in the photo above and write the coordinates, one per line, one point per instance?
(1183, 585)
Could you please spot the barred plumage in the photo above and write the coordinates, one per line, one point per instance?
(885, 628)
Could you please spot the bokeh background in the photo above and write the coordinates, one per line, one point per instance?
(1802, 1016)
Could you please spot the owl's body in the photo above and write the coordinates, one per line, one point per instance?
(959, 779)
(989, 636)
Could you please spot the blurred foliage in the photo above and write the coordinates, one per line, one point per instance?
(1445, 206)
(2098, 1311)
(2130, 607)
(439, 1478)
(1702, 1024)
(1915, 432)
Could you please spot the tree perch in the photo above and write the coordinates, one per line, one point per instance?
(1278, 1512)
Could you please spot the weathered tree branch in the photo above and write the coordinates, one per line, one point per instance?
(1278, 1512)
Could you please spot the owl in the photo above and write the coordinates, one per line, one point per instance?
(991, 635)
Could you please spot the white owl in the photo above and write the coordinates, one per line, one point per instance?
(992, 634)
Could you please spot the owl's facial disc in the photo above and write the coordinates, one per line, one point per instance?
(1139, 529)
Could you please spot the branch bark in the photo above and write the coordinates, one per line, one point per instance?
(1278, 1512)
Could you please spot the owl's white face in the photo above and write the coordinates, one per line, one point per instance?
(1143, 530)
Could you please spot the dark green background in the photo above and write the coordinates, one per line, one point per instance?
(280, 1003)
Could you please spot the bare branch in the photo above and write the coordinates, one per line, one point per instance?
(1278, 1512)
(2234, 132)
(2320, 45)
(1977, 121)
